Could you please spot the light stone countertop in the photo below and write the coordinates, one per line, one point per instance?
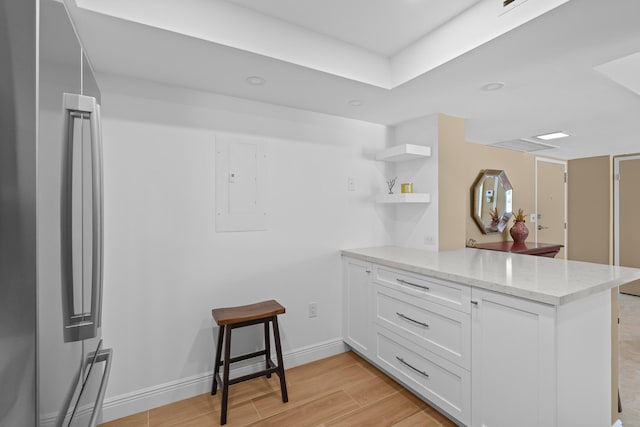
(546, 280)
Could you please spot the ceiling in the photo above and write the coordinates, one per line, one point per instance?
(361, 22)
(569, 66)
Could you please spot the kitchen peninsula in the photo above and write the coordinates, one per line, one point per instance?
(491, 338)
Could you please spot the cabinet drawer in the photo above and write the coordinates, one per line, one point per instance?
(449, 294)
(439, 329)
(437, 380)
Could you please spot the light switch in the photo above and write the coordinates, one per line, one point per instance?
(351, 184)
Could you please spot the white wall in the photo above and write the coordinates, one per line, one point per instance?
(166, 267)
(416, 226)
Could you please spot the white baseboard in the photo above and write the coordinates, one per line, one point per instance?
(151, 397)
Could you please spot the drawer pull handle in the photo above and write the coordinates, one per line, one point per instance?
(426, 288)
(411, 367)
(412, 320)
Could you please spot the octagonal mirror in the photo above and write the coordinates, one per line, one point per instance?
(492, 201)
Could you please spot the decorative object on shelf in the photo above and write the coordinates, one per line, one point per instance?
(407, 187)
(403, 153)
(471, 243)
(492, 199)
(391, 183)
(519, 232)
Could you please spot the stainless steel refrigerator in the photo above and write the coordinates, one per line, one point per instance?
(53, 367)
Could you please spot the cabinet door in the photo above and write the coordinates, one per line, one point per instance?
(356, 325)
(512, 362)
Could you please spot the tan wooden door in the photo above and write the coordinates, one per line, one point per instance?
(551, 202)
(628, 216)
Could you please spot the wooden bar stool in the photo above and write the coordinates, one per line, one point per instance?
(230, 318)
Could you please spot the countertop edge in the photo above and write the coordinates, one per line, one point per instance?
(490, 286)
(495, 287)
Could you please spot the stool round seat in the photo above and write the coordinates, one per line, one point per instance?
(246, 313)
(229, 318)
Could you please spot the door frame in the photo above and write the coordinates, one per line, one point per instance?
(565, 202)
(616, 204)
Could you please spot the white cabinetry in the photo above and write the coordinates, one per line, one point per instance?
(414, 327)
(444, 292)
(513, 362)
(356, 325)
(432, 377)
(438, 329)
(487, 359)
(422, 335)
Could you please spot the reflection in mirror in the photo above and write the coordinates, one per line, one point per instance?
(492, 201)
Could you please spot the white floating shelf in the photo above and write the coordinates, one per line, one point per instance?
(401, 153)
(404, 198)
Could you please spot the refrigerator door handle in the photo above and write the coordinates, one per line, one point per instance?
(106, 356)
(98, 212)
(81, 316)
(72, 413)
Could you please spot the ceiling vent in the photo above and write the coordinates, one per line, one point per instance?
(507, 5)
(522, 144)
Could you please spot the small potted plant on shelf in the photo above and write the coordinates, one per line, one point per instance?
(391, 183)
(519, 232)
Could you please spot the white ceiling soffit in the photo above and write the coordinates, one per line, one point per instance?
(625, 71)
(277, 29)
(384, 27)
(523, 145)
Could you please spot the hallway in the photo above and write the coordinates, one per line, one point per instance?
(630, 360)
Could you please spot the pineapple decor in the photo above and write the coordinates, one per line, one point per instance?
(495, 216)
(519, 232)
(519, 217)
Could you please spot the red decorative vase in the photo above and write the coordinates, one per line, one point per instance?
(519, 232)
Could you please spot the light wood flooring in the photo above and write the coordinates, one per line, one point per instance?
(630, 360)
(342, 390)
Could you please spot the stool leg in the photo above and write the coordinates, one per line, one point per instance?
(225, 378)
(267, 346)
(619, 402)
(216, 365)
(283, 383)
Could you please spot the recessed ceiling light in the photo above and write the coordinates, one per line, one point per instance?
(355, 103)
(492, 86)
(553, 135)
(255, 80)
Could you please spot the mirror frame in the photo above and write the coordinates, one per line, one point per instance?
(478, 206)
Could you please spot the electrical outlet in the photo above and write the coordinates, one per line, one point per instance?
(313, 309)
